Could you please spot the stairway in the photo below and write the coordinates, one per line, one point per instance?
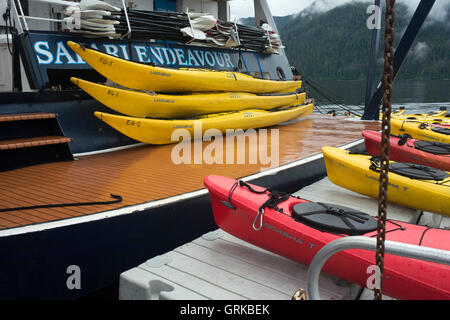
(31, 138)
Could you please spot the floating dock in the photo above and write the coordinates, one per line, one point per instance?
(218, 266)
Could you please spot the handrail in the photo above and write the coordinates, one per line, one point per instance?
(59, 2)
(22, 14)
(128, 34)
(22, 18)
(365, 243)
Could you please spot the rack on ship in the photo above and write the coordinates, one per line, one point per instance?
(94, 19)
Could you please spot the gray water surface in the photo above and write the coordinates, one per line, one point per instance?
(415, 95)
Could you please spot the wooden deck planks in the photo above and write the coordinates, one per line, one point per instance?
(26, 116)
(148, 173)
(32, 142)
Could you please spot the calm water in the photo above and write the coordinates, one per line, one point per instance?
(415, 95)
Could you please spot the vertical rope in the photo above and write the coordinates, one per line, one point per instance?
(388, 78)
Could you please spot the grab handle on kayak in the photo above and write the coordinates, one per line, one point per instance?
(357, 242)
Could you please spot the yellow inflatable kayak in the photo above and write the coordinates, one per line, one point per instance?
(143, 105)
(409, 184)
(145, 77)
(394, 114)
(421, 130)
(438, 117)
(155, 131)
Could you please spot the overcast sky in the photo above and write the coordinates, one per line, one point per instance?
(244, 8)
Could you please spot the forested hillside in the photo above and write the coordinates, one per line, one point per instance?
(335, 44)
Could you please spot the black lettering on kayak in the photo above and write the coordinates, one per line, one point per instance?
(134, 123)
(157, 73)
(163, 100)
(390, 184)
(113, 93)
(105, 61)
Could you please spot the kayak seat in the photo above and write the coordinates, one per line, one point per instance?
(333, 218)
(433, 147)
(415, 171)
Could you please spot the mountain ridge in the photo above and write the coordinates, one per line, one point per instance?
(335, 44)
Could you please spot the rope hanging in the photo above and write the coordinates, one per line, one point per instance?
(116, 198)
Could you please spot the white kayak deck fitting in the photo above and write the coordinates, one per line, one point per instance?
(219, 266)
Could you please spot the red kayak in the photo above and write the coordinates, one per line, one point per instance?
(291, 227)
(405, 149)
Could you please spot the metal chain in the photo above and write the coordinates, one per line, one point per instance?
(388, 77)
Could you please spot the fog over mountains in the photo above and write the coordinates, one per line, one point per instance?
(330, 40)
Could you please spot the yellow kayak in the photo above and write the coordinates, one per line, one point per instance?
(143, 105)
(438, 117)
(155, 131)
(140, 76)
(393, 114)
(396, 113)
(420, 116)
(351, 171)
(420, 130)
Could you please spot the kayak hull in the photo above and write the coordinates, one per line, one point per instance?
(351, 171)
(406, 152)
(144, 105)
(144, 77)
(155, 131)
(438, 117)
(404, 278)
(400, 127)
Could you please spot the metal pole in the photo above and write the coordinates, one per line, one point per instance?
(262, 12)
(375, 44)
(59, 2)
(365, 243)
(128, 21)
(17, 14)
(372, 111)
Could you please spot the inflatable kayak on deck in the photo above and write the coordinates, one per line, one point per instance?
(144, 105)
(411, 185)
(420, 130)
(439, 116)
(405, 149)
(140, 76)
(155, 131)
(298, 229)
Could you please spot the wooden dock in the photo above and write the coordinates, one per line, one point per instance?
(218, 266)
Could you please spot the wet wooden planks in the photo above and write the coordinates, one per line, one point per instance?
(149, 173)
(32, 142)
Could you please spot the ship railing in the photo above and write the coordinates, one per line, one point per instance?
(22, 18)
(357, 242)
